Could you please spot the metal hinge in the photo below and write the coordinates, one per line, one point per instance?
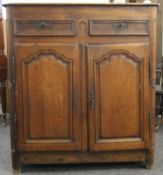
(150, 126)
(14, 118)
(13, 66)
(151, 80)
(13, 61)
(91, 98)
(15, 124)
(11, 84)
(2, 85)
(12, 81)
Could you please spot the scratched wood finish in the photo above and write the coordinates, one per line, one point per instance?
(83, 92)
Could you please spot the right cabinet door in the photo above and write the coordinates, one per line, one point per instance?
(118, 95)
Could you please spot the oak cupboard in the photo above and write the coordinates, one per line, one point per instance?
(81, 82)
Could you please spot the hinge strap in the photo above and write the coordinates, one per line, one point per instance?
(149, 121)
(151, 81)
(12, 81)
(91, 98)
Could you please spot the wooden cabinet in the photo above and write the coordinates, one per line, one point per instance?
(81, 82)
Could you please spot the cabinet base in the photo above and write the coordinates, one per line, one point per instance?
(33, 158)
(76, 157)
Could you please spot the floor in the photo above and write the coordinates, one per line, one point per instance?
(93, 169)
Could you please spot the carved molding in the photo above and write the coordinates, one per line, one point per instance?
(83, 27)
(41, 53)
(110, 55)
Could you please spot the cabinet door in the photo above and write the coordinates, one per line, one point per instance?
(48, 97)
(118, 91)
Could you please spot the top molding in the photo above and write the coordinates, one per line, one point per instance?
(80, 4)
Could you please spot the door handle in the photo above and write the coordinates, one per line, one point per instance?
(121, 25)
(91, 98)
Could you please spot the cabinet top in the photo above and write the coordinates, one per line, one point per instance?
(80, 4)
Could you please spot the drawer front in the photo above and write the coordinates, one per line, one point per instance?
(119, 27)
(44, 27)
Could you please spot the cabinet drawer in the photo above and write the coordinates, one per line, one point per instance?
(44, 27)
(119, 27)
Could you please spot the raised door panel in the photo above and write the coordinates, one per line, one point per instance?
(48, 97)
(118, 96)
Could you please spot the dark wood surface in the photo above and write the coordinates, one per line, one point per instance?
(82, 83)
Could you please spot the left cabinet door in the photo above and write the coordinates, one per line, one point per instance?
(48, 97)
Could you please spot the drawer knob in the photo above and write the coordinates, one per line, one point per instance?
(43, 24)
(121, 25)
